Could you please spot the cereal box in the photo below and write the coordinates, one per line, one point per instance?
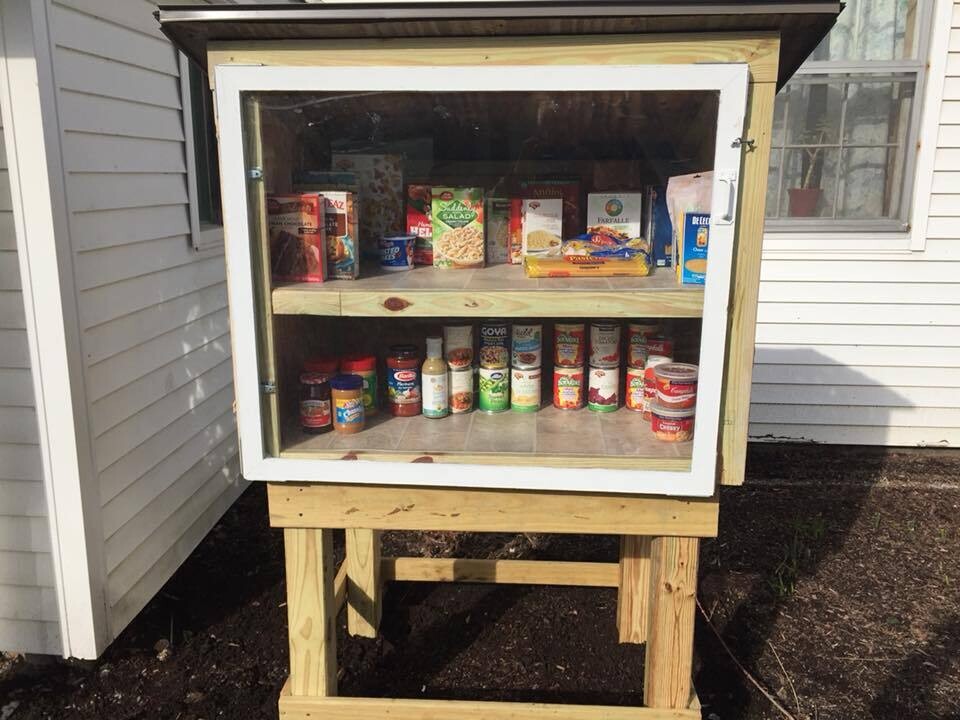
(497, 223)
(567, 190)
(621, 212)
(380, 183)
(340, 215)
(542, 226)
(457, 215)
(296, 225)
(692, 244)
(419, 223)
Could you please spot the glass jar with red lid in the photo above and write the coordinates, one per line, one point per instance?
(326, 364)
(365, 366)
(316, 413)
(403, 381)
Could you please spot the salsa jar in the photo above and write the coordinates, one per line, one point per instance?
(366, 367)
(494, 344)
(326, 364)
(676, 385)
(672, 424)
(316, 415)
(568, 345)
(650, 382)
(604, 345)
(637, 335)
(634, 389)
(568, 388)
(603, 389)
(526, 347)
(347, 392)
(403, 381)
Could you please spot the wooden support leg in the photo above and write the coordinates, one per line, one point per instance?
(673, 598)
(364, 587)
(633, 606)
(311, 612)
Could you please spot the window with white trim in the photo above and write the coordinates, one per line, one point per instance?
(845, 127)
(203, 172)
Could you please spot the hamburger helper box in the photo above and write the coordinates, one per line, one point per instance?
(419, 222)
(692, 242)
(620, 212)
(296, 225)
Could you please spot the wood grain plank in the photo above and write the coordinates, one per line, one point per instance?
(633, 588)
(502, 572)
(364, 586)
(673, 595)
(311, 611)
(480, 510)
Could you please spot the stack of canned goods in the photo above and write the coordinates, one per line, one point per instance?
(458, 352)
(494, 366)
(639, 336)
(659, 352)
(526, 357)
(603, 385)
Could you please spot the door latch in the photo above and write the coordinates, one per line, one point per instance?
(268, 388)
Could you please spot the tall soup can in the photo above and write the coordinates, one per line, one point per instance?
(605, 344)
(569, 344)
(637, 334)
(568, 388)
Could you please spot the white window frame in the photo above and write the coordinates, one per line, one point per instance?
(729, 80)
(873, 238)
(205, 237)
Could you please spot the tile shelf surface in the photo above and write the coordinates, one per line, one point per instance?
(551, 437)
(497, 290)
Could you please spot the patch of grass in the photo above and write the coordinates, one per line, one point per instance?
(796, 554)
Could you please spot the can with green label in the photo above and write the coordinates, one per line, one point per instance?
(494, 390)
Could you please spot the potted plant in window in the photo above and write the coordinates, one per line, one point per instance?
(804, 199)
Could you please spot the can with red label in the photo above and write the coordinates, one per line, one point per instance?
(672, 424)
(660, 346)
(637, 335)
(634, 389)
(605, 344)
(568, 388)
(603, 389)
(676, 385)
(650, 382)
(568, 345)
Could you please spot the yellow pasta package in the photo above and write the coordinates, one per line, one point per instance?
(457, 215)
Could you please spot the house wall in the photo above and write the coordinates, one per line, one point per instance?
(29, 619)
(864, 348)
(153, 315)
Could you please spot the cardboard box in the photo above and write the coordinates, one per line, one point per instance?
(341, 228)
(419, 198)
(457, 215)
(621, 212)
(497, 229)
(542, 226)
(659, 229)
(516, 231)
(566, 190)
(296, 224)
(692, 245)
(380, 182)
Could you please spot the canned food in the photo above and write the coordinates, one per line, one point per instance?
(527, 346)
(660, 346)
(494, 344)
(568, 388)
(634, 389)
(637, 334)
(604, 345)
(494, 390)
(461, 390)
(525, 389)
(396, 252)
(650, 383)
(603, 394)
(568, 344)
(458, 346)
(676, 385)
(672, 424)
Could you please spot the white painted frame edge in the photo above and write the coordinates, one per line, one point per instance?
(730, 80)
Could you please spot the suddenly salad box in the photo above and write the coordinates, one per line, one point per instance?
(457, 217)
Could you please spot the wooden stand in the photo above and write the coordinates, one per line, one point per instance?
(656, 580)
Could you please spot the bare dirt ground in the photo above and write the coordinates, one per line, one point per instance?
(834, 583)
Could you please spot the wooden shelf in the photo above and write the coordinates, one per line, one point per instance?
(549, 438)
(495, 291)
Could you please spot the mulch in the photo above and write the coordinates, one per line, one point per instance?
(834, 582)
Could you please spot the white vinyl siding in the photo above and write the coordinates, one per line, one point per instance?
(867, 350)
(152, 310)
(29, 619)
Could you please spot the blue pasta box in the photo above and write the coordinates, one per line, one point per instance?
(659, 229)
(692, 244)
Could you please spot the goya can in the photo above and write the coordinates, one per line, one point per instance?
(637, 334)
(603, 389)
(494, 390)
(568, 388)
(525, 389)
(634, 389)
(494, 344)
(605, 345)
(460, 383)
(568, 345)
(527, 346)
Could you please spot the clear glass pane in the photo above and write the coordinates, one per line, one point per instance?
(878, 113)
(813, 111)
(780, 117)
(773, 182)
(871, 182)
(872, 30)
(809, 184)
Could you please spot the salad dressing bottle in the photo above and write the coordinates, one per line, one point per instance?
(436, 403)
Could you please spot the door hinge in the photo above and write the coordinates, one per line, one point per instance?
(268, 388)
(745, 142)
(255, 173)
